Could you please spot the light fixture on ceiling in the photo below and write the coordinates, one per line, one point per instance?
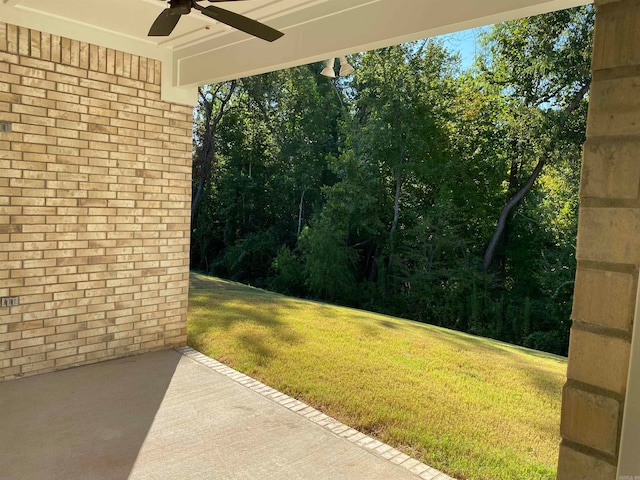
(328, 71)
(345, 68)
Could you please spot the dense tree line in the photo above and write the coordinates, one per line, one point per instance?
(412, 187)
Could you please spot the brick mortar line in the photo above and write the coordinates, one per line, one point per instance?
(615, 72)
(588, 451)
(602, 331)
(593, 390)
(617, 7)
(610, 203)
(627, 268)
(376, 447)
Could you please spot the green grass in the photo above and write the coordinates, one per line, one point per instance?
(471, 407)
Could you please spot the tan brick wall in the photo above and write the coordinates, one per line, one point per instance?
(608, 252)
(94, 205)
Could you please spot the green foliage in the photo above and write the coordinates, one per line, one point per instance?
(249, 258)
(289, 276)
(329, 263)
(272, 147)
(543, 60)
(382, 190)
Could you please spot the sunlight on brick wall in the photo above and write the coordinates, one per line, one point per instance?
(607, 253)
(95, 185)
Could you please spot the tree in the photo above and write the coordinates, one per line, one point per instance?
(212, 106)
(273, 136)
(214, 102)
(398, 133)
(543, 65)
(381, 190)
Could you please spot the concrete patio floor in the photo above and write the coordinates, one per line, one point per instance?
(178, 415)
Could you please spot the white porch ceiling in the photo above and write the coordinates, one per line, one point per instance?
(202, 51)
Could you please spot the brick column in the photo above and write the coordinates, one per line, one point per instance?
(608, 252)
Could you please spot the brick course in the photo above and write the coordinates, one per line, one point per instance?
(591, 419)
(575, 465)
(607, 253)
(95, 186)
(615, 292)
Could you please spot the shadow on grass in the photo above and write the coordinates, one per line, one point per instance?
(266, 309)
(541, 379)
(466, 341)
(374, 329)
(221, 302)
(388, 324)
(256, 345)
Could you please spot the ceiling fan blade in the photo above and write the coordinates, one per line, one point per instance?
(164, 24)
(246, 24)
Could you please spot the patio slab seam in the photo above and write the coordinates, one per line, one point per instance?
(377, 448)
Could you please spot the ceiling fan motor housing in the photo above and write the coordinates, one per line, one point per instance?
(180, 7)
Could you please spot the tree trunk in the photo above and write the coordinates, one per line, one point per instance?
(498, 234)
(502, 222)
(197, 197)
(396, 206)
(202, 160)
(207, 154)
(300, 210)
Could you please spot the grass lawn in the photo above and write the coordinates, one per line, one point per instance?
(471, 407)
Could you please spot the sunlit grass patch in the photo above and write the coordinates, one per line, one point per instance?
(469, 406)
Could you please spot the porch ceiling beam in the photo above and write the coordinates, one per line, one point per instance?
(201, 52)
(376, 25)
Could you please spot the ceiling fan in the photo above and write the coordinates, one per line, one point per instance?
(168, 19)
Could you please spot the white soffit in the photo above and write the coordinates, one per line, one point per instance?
(202, 51)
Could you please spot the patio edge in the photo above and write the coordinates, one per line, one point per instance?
(366, 442)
